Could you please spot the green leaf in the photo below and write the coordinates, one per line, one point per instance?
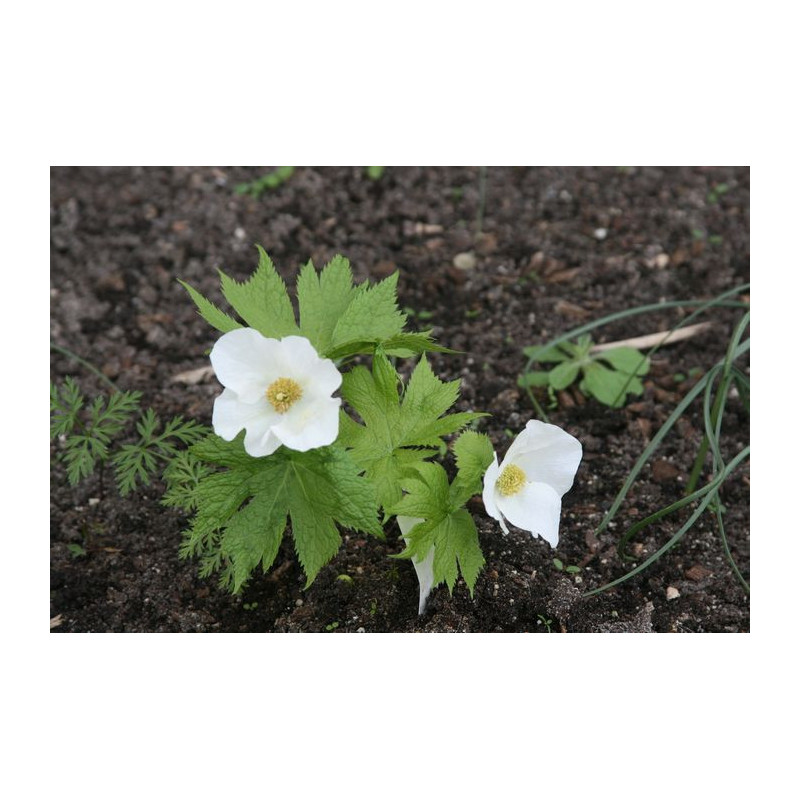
(66, 403)
(474, 453)
(536, 379)
(209, 312)
(323, 298)
(316, 490)
(394, 437)
(625, 359)
(403, 345)
(564, 375)
(262, 301)
(448, 528)
(372, 315)
(547, 354)
(608, 386)
(457, 548)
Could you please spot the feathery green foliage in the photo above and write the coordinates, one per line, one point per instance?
(272, 180)
(91, 434)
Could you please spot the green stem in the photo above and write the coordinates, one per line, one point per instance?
(84, 363)
(711, 494)
(719, 402)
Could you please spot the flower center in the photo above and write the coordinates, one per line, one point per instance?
(511, 480)
(283, 394)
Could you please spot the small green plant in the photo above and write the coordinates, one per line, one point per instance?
(375, 173)
(715, 386)
(559, 565)
(91, 433)
(546, 622)
(606, 375)
(76, 550)
(272, 180)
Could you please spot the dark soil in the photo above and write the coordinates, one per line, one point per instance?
(122, 236)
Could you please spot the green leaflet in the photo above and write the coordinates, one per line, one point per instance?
(262, 301)
(339, 318)
(447, 526)
(395, 436)
(242, 511)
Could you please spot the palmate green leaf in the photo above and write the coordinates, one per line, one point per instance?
(372, 315)
(323, 298)
(209, 312)
(447, 526)
(474, 453)
(395, 435)
(340, 319)
(262, 301)
(251, 500)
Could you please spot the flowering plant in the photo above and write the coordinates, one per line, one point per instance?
(288, 453)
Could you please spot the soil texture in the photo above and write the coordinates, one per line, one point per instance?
(549, 249)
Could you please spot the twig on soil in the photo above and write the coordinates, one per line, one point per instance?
(655, 339)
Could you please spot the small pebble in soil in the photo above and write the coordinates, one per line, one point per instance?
(601, 234)
(465, 261)
(672, 593)
(361, 630)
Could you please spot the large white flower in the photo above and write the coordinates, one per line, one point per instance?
(526, 489)
(424, 568)
(278, 390)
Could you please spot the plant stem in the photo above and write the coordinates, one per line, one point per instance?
(91, 367)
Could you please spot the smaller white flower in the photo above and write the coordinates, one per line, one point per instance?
(424, 569)
(277, 390)
(526, 489)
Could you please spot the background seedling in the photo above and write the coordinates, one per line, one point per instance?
(608, 375)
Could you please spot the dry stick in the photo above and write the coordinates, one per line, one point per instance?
(652, 339)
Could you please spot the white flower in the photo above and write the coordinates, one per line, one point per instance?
(526, 489)
(424, 569)
(278, 390)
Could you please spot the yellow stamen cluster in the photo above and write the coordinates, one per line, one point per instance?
(283, 394)
(511, 480)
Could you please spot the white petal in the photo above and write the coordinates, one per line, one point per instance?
(311, 422)
(424, 568)
(536, 508)
(259, 440)
(230, 414)
(547, 454)
(301, 362)
(247, 362)
(489, 493)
